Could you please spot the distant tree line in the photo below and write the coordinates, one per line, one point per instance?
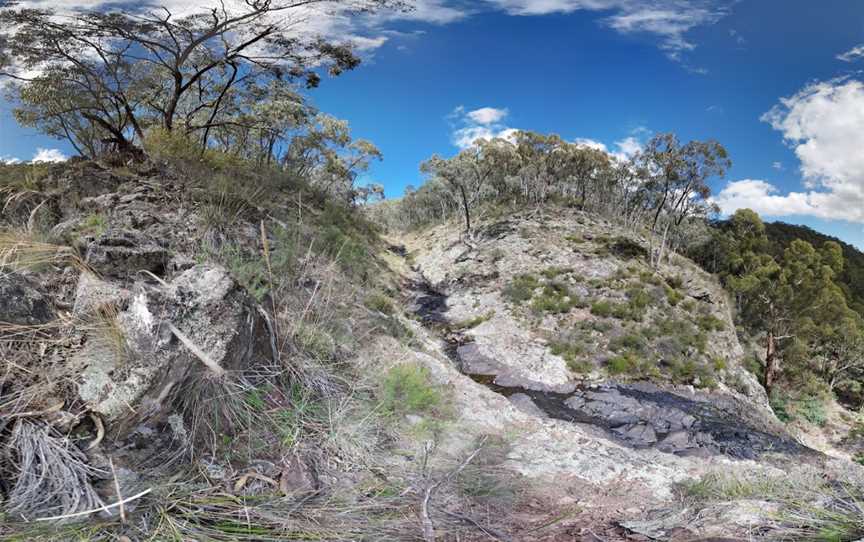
(660, 189)
(224, 77)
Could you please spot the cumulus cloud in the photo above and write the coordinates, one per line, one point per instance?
(487, 115)
(856, 53)
(9, 160)
(49, 155)
(484, 123)
(669, 20)
(623, 148)
(822, 123)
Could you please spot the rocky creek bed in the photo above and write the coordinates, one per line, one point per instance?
(638, 415)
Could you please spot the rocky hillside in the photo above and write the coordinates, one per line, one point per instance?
(185, 359)
(564, 334)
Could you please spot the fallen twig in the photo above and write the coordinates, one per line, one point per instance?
(94, 510)
(200, 354)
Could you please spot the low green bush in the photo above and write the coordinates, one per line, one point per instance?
(521, 289)
(377, 301)
(555, 298)
(408, 389)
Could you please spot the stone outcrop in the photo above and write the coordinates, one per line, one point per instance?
(123, 253)
(201, 323)
(21, 303)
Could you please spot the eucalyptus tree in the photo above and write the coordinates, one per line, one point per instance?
(677, 182)
(470, 174)
(130, 70)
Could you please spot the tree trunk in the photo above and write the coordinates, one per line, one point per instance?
(771, 368)
(465, 207)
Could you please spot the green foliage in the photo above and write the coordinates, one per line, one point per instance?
(629, 341)
(555, 298)
(408, 389)
(315, 342)
(554, 272)
(673, 296)
(603, 309)
(93, 224)
(709, 322)
(808, 407)
(572, 347)
(380, 302)
(627, 249)
(626, 363)
(521, 289)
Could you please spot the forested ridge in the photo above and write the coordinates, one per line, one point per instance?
(851, 278)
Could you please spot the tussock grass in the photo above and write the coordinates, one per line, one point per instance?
(28, 250)
(51, 475)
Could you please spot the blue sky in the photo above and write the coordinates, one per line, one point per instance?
(616, 71)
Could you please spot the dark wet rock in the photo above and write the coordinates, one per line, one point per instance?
(640, 434)
(21, 303)
(123, 253)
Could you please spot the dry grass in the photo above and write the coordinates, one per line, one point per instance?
(28, 250)
(51, 475)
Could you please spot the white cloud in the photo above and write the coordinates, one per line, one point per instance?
(487, 115)
(624, 148)
(49, 155)
(856, 53)
(9, 160)
(778, 166)
(822, 123)
(670, 20)
(484, 123)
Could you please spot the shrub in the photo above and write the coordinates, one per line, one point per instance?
(629, 341)
(622, 364)
(673, 296)
(521, 289)
(555, 298)
(812, 409)
(571, 347)
(94, 224)
(555, 271)
(675, 282)
(709, 322)
(604, 309)
(408, 389)
(379, 302)
(627, 249)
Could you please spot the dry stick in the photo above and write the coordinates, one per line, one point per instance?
(100, 431)
(37, 413)
(94, 510)
(117, 489)
(266, 244)
(200, 354)
(428, 527)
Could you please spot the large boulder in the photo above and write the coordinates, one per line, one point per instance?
(21, 303)
(202, 324)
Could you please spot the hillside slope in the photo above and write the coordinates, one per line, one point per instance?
(558, 315)
(852, 278)
(239, 368)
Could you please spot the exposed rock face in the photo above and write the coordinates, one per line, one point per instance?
(122, 253)
(21, 303)
(201, 323)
